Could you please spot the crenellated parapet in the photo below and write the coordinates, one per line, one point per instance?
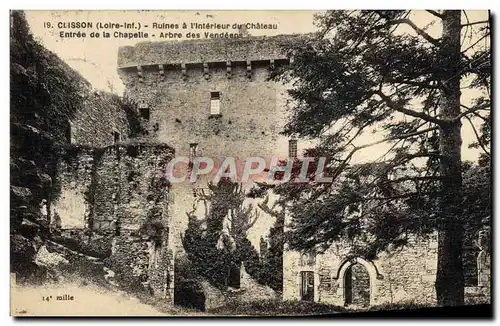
(203, 54)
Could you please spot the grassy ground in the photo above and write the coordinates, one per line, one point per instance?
(299, 308)
(275, 308)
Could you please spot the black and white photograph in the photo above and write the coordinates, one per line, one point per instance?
(263, 163)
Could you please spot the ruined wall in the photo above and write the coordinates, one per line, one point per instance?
(95, 125)
(172, 82)
(400, 276)
(251, 290)
(114, 205)
(72, 207)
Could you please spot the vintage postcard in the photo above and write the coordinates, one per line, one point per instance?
(242, 163)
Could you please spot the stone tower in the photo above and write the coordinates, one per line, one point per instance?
(208, 98)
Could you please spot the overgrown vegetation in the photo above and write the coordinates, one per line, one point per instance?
(135, 125)
(44, 95)
(362, 71)
(271, 268)
(217, 243)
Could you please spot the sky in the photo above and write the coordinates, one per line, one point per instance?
(96, 59)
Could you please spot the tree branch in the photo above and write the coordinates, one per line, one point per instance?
(480, 117)
(411, 134)
(475, 43)
(418, 155)
(421, 84)
(478, 138)
(252, 222)
(393, 105)
(475, 23)
(416, 178)
(341, 167)
(435, 13)
(417, 29)
(471, 110)
(402, 196)
(268, 210)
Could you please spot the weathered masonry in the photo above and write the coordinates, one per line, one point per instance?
(341, 279)
(102, 122)
(406, 275)
(114, 202)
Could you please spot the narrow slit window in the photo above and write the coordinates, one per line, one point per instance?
(116, 137)
(193, 147)
(214, 103)
(292, 148)
(69, 133)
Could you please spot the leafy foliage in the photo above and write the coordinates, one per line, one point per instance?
(45, 95)
(217, 244)
(271, 272)
(378, 71)
(276, 308)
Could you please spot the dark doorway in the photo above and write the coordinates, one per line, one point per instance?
(307, 286)
(357, 286)
(189, 294)
(234, 277)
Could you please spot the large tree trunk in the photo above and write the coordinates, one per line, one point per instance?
(450, 279)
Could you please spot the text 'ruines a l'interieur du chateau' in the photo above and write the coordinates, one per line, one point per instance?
(156, 30)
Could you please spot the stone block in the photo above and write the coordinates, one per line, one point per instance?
(429, 278)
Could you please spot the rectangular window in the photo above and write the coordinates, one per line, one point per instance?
(214, 103)
(144, 112)
(116, 137)
(292, 148)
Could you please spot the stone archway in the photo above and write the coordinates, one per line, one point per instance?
(364, 288)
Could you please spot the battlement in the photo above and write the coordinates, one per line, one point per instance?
(206, 51)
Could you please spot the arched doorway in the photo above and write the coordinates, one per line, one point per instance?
(357, 285)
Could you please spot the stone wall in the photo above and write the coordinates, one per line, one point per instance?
(73, 206)
(96, 124)
(251, 290)
(114, 205)
(405, 275)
